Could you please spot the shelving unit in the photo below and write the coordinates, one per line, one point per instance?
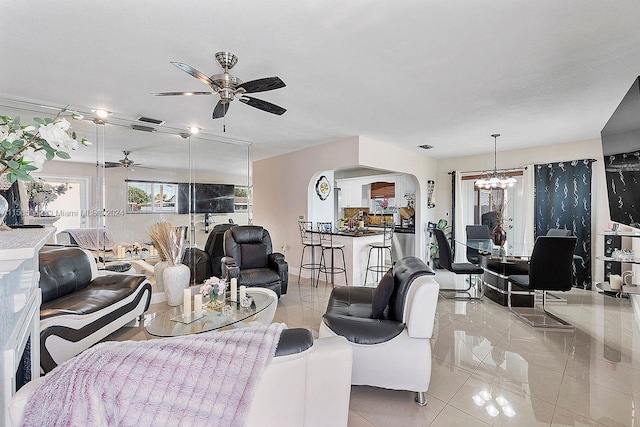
(612, 241)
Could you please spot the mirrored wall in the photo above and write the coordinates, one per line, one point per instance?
(136, 174)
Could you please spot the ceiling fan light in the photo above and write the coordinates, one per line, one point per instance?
(194, 130)
(101, 113)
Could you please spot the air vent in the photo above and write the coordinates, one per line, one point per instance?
(426, 147)
(150, 120)
(143, 128)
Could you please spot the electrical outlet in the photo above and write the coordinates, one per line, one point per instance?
(300, 217)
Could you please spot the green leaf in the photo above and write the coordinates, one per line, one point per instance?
(13, 164)
(22, 175)
(28, 168)
(11, 177)
(18, 143)
(38, 120)
(63, 154)
(7, 144)
(50, 155)
(16, 120)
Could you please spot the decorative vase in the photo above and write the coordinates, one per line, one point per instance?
(158, 269)
(216, 302)
(175, 279)
(499, 236)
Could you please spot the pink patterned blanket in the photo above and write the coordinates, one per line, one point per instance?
(205, 379)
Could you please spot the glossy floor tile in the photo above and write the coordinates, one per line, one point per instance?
(489, 368)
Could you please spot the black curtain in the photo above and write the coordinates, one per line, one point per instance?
(14, 215)
(563, 200)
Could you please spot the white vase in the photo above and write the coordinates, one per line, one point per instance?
(175, 279)
(158, 269)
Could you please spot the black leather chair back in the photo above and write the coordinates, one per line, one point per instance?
(63, 271)
(247, 239)
(444, 250)
(405, 272)
(551, 263)
(215, 247)
(490, 219)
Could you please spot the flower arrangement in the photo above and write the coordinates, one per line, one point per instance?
(213, 287)
(41, 193)
(169, 242)
(24, 148)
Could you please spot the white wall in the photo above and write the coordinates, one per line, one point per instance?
(589, 149)
(282, 184)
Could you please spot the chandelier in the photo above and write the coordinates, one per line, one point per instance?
(495, 180)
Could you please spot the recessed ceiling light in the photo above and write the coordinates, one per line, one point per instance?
(194, 130)
(103, 114)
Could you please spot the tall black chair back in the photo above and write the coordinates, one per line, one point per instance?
(477, 234)
(550, 265)
(445, 254)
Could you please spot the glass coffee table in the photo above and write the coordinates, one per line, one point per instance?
(162, 325)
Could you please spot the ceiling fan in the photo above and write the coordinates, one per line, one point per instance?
(229, 87)
(126, 162)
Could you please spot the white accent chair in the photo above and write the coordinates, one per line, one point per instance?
(394, 352)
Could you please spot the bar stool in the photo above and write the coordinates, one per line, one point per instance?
(326, 242)
(380, 247)
(309, 240)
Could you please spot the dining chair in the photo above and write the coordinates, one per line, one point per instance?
(550, 269)
(477, 236)
(475, 290)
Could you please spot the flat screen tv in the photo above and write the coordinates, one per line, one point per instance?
(621, 149)
(207, 198)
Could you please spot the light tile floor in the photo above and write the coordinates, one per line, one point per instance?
(489, 368)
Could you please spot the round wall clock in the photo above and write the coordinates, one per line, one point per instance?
(323, 188)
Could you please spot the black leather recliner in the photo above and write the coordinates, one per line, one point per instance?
(206, 263)
(249, 257)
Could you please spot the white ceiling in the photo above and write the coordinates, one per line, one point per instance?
(444, 73)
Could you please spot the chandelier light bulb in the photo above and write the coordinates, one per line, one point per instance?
(194, 130)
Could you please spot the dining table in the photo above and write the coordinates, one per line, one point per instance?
(499, 262)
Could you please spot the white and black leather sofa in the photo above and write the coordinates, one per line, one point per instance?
(388, 327)
(308, 383)
(81, 305)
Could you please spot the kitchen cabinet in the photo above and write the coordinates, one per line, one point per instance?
(351, 193)
(383, 190)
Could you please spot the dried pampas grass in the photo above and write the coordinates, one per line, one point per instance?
(169, 242)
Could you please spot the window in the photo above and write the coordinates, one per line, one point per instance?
(241, 199)
(151, 197)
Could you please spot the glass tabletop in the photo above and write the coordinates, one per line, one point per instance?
(510, 249)
(162, 324)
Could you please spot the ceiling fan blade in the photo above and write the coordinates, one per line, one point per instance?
(262, 85)
(112, 164)
(220, 110)
(263, 105)
(195, 73)
(180, 93)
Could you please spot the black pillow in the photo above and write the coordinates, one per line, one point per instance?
(382, 295)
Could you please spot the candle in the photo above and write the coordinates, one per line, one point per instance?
(187, 302)
(243, 292)
(120, 252)
(234, 289)
(197, 304)
(360, 224)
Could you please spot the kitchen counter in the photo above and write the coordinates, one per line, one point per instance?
(402, 230)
